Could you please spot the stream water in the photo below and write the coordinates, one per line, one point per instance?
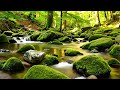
(63, 66)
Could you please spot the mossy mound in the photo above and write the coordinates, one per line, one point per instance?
(85, 46)
(44, 72)
(92, 65)
(82, 35)
(113, 61)
(101, 44)
(49, 36)
(50, 60)
(71, 52)
(55, 42)
(3, 39)
(95, 36)
(18, 34)
(34, 36)
(115, 51)
(117, 39)
(1, 64)
(25, 48)
(64, 39)
(8, 33)
(13, 64)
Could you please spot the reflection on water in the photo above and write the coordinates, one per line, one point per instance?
(59, 50)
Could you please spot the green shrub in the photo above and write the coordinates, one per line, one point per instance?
(92, 65)
(3, 39)
(72, 52)
(43, 72)
(25, 48)
(13, 64)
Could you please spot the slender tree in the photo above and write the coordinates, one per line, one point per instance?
(105, 14)
(97, 17)
(49, 19)
(65, 21)
(60, 21)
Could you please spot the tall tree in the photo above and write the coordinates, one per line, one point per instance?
(65, 21)
(105, 14)
(97, 17)
(49, 19)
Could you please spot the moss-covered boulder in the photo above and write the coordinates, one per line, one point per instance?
(95, 36)
(8, 33)
(25, 48)
(55, 42)
(85, 46)
(117, 39)
(50, 60)
(115, 51)
(13, 64)
(72, 52)
(64, 39)
(101, 44)
(82, 35)
(20, 34)
(113, 62)
(49, 36)
(92, 65)
(44, 72)
(1, 64)
(3, 39)
(34, 36)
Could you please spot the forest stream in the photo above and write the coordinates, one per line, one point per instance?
(62, 66)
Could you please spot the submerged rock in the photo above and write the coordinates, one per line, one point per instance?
(94, 51)
(92, 77)
(34, 56)
(4, 50)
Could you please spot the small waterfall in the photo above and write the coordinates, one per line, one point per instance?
(17, 39)
(63, 65)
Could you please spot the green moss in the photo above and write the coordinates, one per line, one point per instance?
(117, 38)
(3, 39)
(72, 52)
(101, 44)
(85, 46)
(95, 36)
(13, 64)
(49, 36)
(34, 36)
(25, 48)
(18, 34)
(44, 72)
(113, 61)
(1, 64)
(8, 33)
(115, 51)
(50, 60)
(55, 42)
(82, 35)
(92, 65)
(64, 39)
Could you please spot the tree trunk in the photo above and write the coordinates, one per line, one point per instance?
(49, 19)
(65, 21)
(61, 21)
(97, 17)
(111, 15)
(105, 15)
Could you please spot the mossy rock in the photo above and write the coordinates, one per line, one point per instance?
(8, 33)
(64, 39)
(18, 34)
(3, 38)
(92, 65)
(113, 62)
(44, 72)
(85, 46)
(49, 36)
(82, 35)
(55, 42)
(115, 51)
(95, 36)
(117, 39)
(50, 60)
(13, 65)
(101, 44)
(1, 64)
(71, 52)
(25, 48)
(34, 36)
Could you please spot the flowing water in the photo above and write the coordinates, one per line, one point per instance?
(63, 66)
